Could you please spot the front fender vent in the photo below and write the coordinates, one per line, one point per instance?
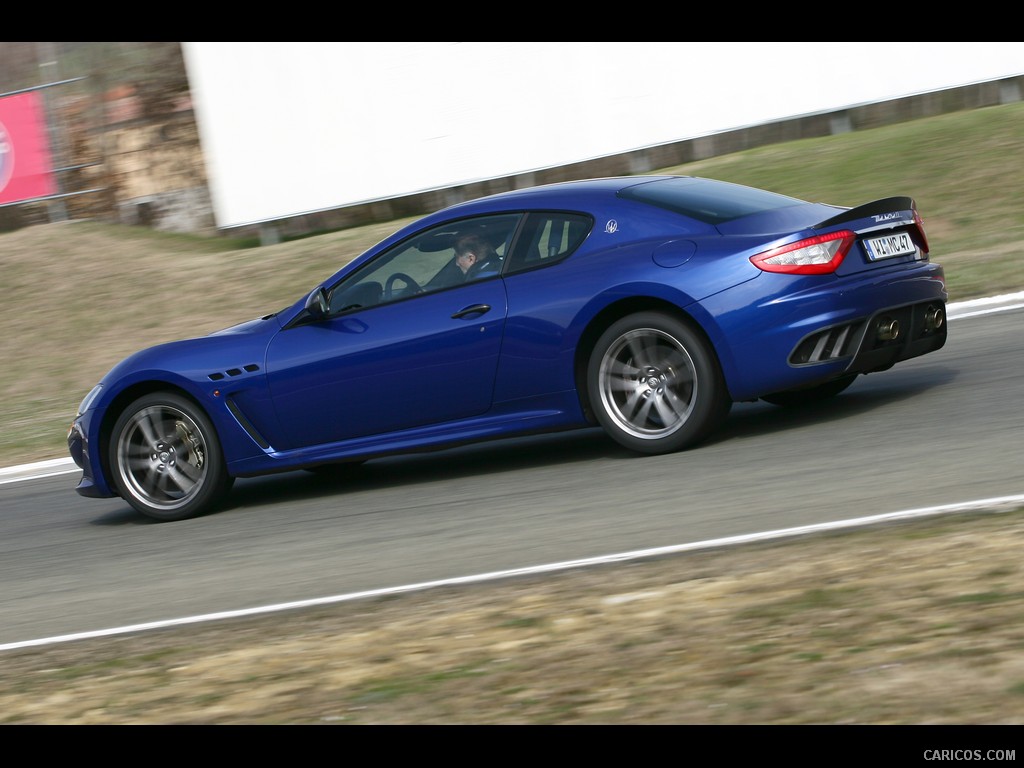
(232, 372)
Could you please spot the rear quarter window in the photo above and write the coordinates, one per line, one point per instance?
(547, 238)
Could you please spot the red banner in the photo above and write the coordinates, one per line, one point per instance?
(26, 171)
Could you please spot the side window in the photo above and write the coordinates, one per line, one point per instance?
(438, 258)
(549, 237)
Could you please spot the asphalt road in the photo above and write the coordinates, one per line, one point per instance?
(942, 429)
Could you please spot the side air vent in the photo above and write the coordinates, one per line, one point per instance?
(232, 372)
(247, 425)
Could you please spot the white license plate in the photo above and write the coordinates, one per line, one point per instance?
(899, 244)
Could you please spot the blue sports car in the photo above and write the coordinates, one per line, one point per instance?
(646, 305)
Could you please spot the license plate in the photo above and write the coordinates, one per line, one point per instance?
(899, 244)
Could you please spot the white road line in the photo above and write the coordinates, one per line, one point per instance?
(998, 504)
(37, 470)
(988, 311)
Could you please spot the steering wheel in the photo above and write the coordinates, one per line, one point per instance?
(411, 285)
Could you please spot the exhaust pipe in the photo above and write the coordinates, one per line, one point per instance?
(887, 329)
(934, 317)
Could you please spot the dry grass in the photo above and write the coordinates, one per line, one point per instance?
(910, 623)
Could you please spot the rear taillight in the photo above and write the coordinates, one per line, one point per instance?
(920, 228)
(819, 255)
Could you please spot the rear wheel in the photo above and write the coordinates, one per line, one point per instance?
(166, 459)
(655, 385)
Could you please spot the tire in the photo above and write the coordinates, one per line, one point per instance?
(810, 395)
(655, 385)
(166, 459)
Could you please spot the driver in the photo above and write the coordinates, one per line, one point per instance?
(473, 255)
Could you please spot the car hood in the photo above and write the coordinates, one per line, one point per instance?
(257, 325)
(202, 358)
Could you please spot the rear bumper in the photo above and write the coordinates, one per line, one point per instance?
(885, 338)
(811, 329)
(917, 330)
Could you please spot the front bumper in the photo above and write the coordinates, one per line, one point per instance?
(91, 485)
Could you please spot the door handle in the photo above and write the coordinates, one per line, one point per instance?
(473, 309)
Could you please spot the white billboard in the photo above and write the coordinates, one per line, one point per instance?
(294, 128)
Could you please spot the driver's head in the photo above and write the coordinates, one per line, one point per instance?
(470, 250)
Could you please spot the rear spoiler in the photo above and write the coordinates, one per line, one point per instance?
(876, 208)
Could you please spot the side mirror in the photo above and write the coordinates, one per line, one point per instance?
(317, 305)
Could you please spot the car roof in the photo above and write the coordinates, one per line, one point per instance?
(710, 201)
(573, 189)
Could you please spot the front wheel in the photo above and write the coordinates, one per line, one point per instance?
(655, 385)
(166, 459)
